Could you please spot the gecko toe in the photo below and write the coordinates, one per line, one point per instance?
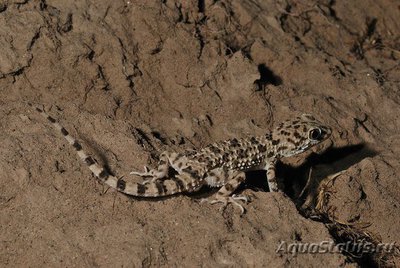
(246, 199)
(146, 173)
(228, 200)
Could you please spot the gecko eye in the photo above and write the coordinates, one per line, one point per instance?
(315, 134)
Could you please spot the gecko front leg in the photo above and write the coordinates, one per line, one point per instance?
(224, 195)
(271, 177)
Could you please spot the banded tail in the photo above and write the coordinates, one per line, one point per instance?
(150, 189)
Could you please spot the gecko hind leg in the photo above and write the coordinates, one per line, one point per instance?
(155, 174)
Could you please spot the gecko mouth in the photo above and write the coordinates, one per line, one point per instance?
(307, 146)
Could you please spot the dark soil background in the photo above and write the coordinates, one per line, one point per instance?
(133, 78)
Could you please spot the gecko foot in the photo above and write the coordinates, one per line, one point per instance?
(147, 173)
(225, 200)
(150, 175)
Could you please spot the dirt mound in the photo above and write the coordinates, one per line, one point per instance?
(133, 78)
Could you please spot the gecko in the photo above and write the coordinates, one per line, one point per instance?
(221, 164)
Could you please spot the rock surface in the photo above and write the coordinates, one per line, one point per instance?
(133, 78)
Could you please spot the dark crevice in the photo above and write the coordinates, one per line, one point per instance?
(296, 177)
(156, 50)
(380, 77)
(131, 84)
(210, 121)
(67, 25)
(246, 52)
(199, 35)
(143, 140)
(283, 18)
(360, 122)
(102, 77)
(3, 7)
(18, 72)
(332, 12)
(339, 159)
(34, 39)
(297, 236)
(59, 168)
(231, 49)
(42, 5)
(371, 27)
(128, 75)
(201, 42)
(358, 47)
(159, 137)
(21, 3)
(90, 55)
(351, 239)
(181, 18)
(267, 76)
(201, 6)
(337, 72)
(118, 101)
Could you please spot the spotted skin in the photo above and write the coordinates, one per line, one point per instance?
(221, 164)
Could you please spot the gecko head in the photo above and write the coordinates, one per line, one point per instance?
(296, 136)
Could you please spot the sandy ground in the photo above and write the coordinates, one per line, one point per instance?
(134, 78)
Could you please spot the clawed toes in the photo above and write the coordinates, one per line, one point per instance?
(243, 198)
(146, 172)
(229, 200)
(146, 181)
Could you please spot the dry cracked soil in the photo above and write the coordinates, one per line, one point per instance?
(133, 78)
